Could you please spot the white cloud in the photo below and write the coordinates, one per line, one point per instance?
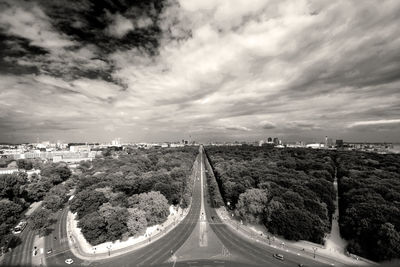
(33, 24)
(119, 26)
(375, 123)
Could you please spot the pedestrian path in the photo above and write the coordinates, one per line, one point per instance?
(260, 234)
(334, 242)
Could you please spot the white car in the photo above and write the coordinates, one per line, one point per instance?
(69, 261)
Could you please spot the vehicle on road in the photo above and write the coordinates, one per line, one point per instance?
(278, 256)
(34, 252)
(69, 261)
(20, 227)
(49, 251)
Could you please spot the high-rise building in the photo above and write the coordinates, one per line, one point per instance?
(116, 142)
(330, 142)
(276, 141)
(339, 143)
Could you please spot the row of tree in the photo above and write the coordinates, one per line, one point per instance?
(120, 194)
(288, 190)
(369, 203)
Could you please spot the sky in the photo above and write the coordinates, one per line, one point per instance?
(210, 70)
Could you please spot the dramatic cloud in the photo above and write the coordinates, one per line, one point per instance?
(213, 69)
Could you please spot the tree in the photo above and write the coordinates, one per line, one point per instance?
(93, 228)
(116, 225)
(57, 171)
(136, 221)
(36, 191)
(87, 201)
(388, 244)
(155, 205)
(9, 212)
(296, 224)
(10, 184)
(53, 202)
(252, 204)
(41, 220)
(24, 164)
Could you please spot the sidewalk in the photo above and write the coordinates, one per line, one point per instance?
(259, 234)
(83, 250)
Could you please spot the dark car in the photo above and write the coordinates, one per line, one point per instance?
(278, 256)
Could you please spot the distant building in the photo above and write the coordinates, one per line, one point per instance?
(276, 141)
(339, 143)
(328, 142)
(79, 148)
(116, 142)
(315, 146)
(8, 171)
(269, 140)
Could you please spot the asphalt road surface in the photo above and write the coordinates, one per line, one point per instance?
(22, 254)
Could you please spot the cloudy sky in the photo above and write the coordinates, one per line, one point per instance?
(211, 69)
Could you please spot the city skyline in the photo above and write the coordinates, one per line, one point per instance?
(167, 70)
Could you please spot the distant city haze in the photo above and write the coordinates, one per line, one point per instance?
(199, 70)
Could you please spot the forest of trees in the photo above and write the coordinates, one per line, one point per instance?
(17, 192)
(369, 203)
(289, 190)
(120, 194)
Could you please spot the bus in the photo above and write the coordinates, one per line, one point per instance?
(20, 227)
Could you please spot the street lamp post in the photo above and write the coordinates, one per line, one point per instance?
(109, 250)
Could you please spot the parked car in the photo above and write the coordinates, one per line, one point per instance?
(278, 256)
(69, 261)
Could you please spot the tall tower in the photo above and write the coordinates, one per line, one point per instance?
(326, 141)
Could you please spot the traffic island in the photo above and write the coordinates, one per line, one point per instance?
(85, 251)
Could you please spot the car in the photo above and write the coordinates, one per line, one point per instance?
(69, 261)
(20, 227)
(34, 252)
(301, 265)
(49, 251)
(278, 256)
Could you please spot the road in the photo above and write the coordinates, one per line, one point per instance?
(22, 254)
